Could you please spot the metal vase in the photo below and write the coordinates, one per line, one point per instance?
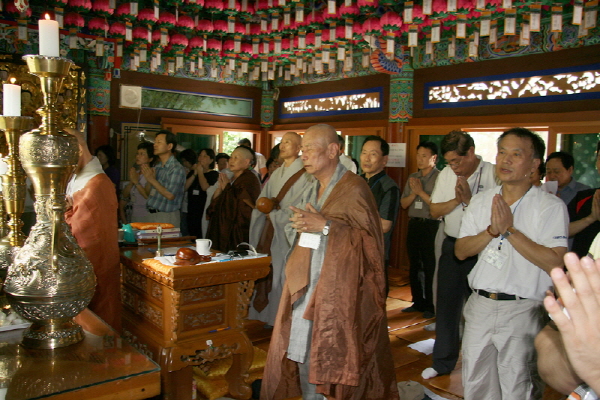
(51, 280)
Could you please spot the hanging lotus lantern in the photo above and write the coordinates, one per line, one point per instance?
(124, 12)
(214, 6)
(465, 6)
(80, 6)
(195, 46)
(166, 20)
(439, 9)
(220, 27)
(348, 15)
(102, 8)
(140, 35)
(117, 30)
(146, 16)
(214, 46)
(193, 6)
(98, 26)
(73, 20)
(204, 27)
(367, 6)
(418, 16)
(185, 24)
(179, 42)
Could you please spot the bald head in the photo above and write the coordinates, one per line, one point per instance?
(289, 148)
(320, 151)
(324, 132)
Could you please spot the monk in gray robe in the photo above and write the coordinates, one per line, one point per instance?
(266, 301)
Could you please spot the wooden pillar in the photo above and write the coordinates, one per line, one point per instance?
(401, 98)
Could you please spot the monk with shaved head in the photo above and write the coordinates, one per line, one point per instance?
(233, 202)
(284, 188)
(330, 335)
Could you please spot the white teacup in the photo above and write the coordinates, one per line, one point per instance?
(203, 246)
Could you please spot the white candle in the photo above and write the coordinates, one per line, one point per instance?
(11, 95)
(49, 38)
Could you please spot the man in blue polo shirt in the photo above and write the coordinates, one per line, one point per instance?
(167, 179)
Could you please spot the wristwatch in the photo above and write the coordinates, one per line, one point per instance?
(509, 231)
(326, 228)
(583, 392)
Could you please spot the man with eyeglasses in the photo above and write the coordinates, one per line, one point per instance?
(465, 175)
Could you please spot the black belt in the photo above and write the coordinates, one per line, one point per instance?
(496, 296)
(153, 210)
(420, 219)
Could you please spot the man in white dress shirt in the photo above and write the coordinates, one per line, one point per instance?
(519, 233)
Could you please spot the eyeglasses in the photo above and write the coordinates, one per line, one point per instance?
(455, 164)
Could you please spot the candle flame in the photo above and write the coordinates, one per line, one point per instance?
(47, 16)
(13, 80)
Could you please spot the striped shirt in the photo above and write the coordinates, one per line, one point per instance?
(172, 177)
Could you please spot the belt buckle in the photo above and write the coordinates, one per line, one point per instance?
(494, 296)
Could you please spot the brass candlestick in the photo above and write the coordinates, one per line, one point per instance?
(51, 279)
(13, 182)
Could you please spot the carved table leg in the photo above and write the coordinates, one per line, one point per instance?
(177, 385)
(239, 372)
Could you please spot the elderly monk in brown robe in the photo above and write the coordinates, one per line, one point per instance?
(330, 336)
(233, 202)
(92, 217)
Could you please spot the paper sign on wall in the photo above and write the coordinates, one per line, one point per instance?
(397, 157)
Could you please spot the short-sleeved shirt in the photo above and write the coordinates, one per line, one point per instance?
(171, 175)
(261, 162)
(569, 192)
(579, 208)
(444, 190)
(428, 182)
(541, 217)
(387, 196)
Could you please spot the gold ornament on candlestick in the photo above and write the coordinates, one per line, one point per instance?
(51, 280)
(13, 181)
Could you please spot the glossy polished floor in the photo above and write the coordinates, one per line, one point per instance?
(404, 329)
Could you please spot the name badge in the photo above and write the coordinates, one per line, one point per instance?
(418, 205)
(495, 257)
(310, 240)
(152, 192)
(195, 192)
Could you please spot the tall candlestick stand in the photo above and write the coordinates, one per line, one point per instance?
(13, 189)
(51, 280)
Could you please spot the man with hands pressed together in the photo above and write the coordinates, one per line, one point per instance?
(422, 229)
(465, 175)
(520, 235)
(330, 335)
(167, 179)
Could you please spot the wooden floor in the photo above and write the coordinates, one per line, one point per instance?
(404, 329)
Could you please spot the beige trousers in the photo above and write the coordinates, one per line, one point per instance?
(499, 360)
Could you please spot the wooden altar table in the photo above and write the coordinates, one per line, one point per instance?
(182, 316)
